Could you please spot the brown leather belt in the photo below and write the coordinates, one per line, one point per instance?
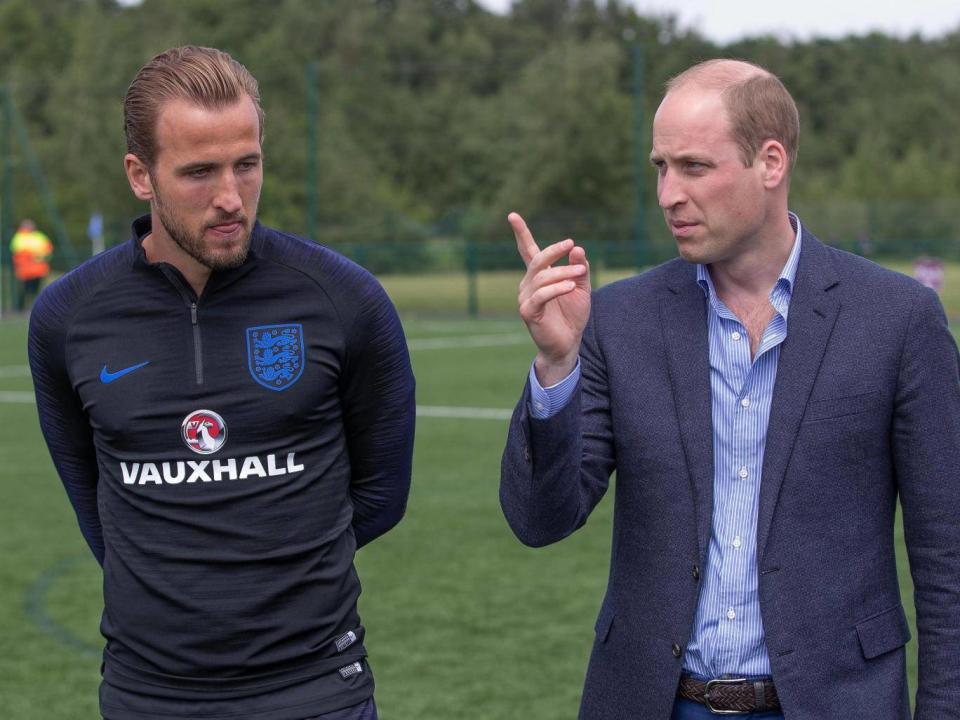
(729, 696)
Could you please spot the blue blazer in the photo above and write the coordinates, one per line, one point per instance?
(866, 407)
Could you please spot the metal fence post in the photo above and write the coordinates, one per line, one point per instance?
(470, 255)
(6, 195)
(313, 104)
(64, 245)
(640, 162)
(594, 250)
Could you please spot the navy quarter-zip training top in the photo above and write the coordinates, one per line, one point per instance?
(225, 455)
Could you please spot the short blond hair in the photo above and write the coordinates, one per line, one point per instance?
(759, 106)
(205, 76)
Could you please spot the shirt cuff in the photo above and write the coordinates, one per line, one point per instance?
(547, 402)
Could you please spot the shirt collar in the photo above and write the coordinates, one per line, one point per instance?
(782, 289)
(142, 226)
(218, 278)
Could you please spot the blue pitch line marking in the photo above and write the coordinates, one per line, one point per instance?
(36, 608)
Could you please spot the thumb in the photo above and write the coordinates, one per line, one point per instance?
(578, 256)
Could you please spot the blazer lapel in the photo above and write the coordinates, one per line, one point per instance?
(683, 318)
(813, 312)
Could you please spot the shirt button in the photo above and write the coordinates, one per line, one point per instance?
(737, 542)
(745, 402)
(539, 406)
(735, 336)
(743, 472)
(677, 650)
(731, 615)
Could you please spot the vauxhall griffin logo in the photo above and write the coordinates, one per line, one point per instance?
(204, 431)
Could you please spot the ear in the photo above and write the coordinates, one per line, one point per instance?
(138, 175)
(774, 164)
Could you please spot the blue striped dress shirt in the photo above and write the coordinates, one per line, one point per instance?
(727, 636)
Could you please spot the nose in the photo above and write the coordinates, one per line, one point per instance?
(670, 189)
(228, 198)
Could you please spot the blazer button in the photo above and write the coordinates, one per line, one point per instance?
(696, 573)
(526, 453)
(677, 650)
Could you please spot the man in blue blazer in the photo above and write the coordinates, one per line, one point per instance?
(764, 400)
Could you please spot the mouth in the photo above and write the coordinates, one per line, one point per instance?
(226, 230)
(682, 228)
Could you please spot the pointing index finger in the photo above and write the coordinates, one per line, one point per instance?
(526, 245)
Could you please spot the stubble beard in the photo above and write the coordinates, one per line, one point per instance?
(193, 244)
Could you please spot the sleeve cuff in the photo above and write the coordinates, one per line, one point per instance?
(547, 402)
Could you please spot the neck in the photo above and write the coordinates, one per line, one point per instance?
(160, 248)
(753, 274)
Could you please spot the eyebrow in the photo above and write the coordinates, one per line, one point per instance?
(681, 159)
(183, 169)
(202, 164)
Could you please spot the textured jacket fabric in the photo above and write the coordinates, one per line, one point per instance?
(225, 455)
(866, 408)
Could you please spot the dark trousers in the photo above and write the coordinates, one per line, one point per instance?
(367, 710)
(687, 710)
(26, 291)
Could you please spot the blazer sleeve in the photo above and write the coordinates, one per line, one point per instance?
(926, 455)
(554, 471)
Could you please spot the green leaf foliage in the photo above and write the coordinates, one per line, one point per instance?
(436, 117)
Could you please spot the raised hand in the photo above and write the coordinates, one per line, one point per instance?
(554, 301)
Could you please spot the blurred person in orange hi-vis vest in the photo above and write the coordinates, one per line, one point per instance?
(31, 251)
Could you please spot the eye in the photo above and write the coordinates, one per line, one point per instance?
(660, 165)
(694, 166)
(199, 173)
(248, 165)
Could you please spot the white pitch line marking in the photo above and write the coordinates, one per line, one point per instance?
(443, 343)
(16, 397)
(14, 371)
(429, 411)
(463, 413)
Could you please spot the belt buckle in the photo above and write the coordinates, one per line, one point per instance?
(710, 686)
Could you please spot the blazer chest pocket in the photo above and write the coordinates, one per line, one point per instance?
(828, 408)
(883, 632)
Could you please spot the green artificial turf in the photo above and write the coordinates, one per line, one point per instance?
(463, 622)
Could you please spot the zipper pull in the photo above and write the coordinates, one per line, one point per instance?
(193, 313)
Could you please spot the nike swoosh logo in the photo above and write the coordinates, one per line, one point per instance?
(108, 377)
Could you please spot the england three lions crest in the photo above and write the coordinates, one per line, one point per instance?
(275, 355)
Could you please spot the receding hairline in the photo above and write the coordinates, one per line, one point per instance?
(717, 75)
(754, 100)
